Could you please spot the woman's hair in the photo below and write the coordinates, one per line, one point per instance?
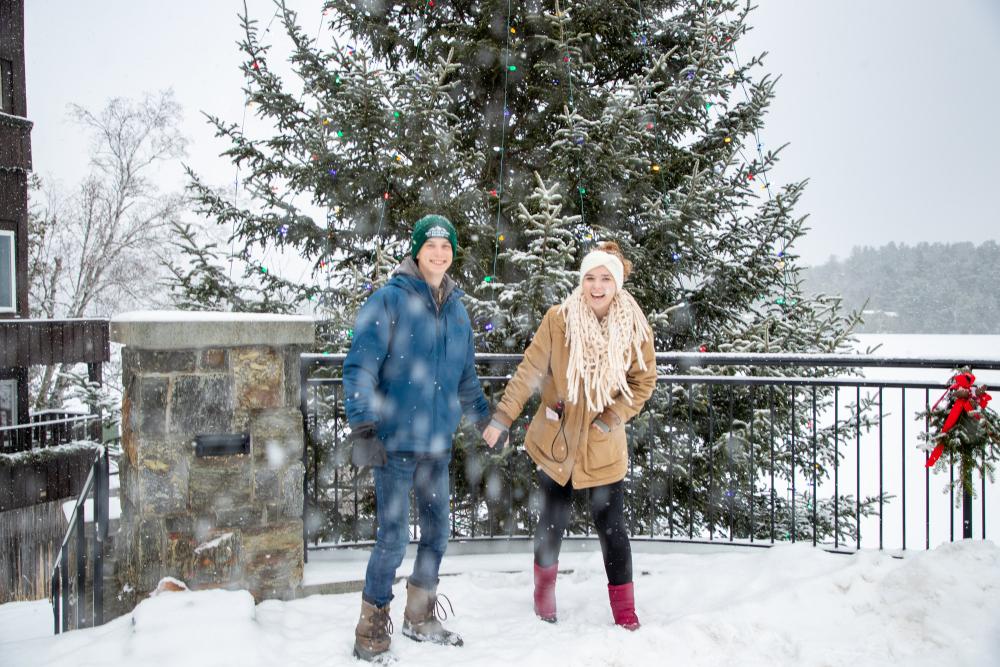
(612, 248)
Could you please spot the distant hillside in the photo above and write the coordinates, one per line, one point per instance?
(927, 288)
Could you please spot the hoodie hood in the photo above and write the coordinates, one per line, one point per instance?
(408, 267)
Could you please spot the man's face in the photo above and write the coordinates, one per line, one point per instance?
(434, 258)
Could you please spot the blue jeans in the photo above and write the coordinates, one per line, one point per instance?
(427, 475)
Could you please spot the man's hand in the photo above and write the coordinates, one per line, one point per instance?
(366, 448)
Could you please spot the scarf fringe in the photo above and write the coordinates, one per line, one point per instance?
(601, 352)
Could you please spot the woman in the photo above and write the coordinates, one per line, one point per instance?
(592, 358)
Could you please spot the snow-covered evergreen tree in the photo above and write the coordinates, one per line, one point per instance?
(537, 128)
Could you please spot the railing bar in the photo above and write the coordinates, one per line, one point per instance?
(671, 459)
(982, 474)
(788, 381)
(836, 468)
(794, 423)
(451, 500)
(771, 440)
(691, 441)
(39, 426)
(710, 459)
(316, 453)
(54, 586)
(64, 587)
(752, 476)
(881, 494)
(902, 458)
(81, 569)
(951, 496)
(927, 473)
(304, 368)
(100, 501)
(703, 359)
(814, 498)
(336, 469)
(857, 463)
(729, 468)
(650, 441)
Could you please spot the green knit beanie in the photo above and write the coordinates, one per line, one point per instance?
(432, 226)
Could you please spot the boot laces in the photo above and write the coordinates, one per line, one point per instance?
(381, 621)
(437, 609)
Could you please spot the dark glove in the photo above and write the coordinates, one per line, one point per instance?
(366, 448)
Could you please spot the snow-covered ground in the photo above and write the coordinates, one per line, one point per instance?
(789, 605)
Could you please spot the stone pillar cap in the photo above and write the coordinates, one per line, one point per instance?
(190, 329)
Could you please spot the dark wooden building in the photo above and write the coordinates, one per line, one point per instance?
(15, 165)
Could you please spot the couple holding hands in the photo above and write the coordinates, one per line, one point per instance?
(410, 376)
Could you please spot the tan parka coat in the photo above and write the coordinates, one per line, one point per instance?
(568, 447)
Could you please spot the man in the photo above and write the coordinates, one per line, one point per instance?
(408, 378)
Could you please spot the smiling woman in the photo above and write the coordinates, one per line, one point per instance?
(592, 357)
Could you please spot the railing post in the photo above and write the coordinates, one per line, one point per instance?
(81, 566)
(966, 514)
(100, 531)
(304, 367)
(55, 602)
(64, 588)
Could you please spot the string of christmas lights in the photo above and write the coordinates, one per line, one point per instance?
(504, 116)
(567, 62)
(243, 124)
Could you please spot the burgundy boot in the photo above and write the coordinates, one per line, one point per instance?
(545, 592)
(623, 606)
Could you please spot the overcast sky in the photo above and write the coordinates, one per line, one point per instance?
(889, 106)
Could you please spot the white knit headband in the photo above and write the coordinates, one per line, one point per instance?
(597, 258)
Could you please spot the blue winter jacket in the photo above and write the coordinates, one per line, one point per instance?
(411, 367)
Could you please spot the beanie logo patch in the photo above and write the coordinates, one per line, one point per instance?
(437, 231)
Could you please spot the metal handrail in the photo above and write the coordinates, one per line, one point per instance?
(701, 359)
(802, 441)
(51, 422)
(98, 482)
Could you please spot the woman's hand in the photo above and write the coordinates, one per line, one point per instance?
(491, 435)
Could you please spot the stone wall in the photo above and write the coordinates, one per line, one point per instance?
(232, 521)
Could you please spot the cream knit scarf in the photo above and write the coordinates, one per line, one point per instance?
(600, 352)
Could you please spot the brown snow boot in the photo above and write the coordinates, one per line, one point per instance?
(371, 636)
(423, 615)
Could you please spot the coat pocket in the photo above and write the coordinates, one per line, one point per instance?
(548, 438)
(604, 449)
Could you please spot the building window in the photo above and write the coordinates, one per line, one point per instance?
(8, 402)
(6, 86)
(8, 288)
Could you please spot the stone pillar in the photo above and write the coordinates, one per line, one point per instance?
(231, 520)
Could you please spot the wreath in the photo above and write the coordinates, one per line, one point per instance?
(962, 429)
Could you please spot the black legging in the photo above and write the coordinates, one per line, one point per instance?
(607, 507)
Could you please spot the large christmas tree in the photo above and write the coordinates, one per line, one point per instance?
(538, 128)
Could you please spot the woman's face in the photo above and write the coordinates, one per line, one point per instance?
(598, 289)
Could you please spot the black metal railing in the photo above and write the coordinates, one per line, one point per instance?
(49, 428)
(727, 449)
(78, 601)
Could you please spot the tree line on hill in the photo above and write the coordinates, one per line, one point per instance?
(924, 288)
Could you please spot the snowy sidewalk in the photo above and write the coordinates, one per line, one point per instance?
(790, 605)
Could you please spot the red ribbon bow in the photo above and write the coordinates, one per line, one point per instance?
(964, 381)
